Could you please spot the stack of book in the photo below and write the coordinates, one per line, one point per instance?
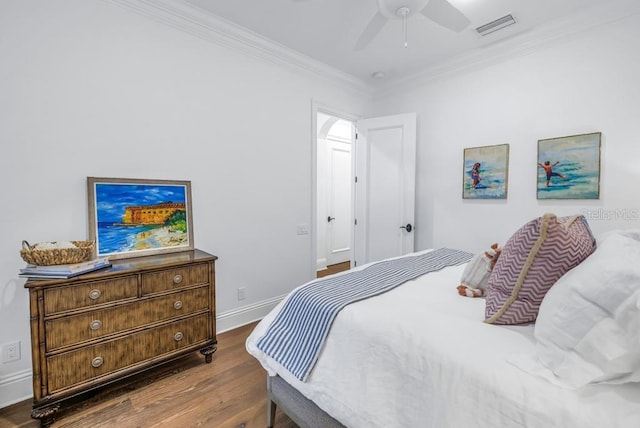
(63, 271)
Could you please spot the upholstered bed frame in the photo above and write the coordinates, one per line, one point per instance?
(300, 409)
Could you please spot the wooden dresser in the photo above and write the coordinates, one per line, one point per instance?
(103, 326)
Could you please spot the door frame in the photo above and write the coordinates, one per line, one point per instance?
(317, 107)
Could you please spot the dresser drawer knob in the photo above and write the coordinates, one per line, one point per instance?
(96, 325)
(95, 294)
(177, 279)
(97, 362)
(177, 304)
(178, 336)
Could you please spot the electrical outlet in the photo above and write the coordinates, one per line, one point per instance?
(10, 352)
(242, 293)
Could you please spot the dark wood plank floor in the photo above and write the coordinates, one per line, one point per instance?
(331, 269)
(228, 393)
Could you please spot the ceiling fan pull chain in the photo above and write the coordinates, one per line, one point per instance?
(404, 25)
(404, 12)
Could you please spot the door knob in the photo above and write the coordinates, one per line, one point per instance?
(330, 218)
(408, 227)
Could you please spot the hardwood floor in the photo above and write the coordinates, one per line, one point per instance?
(331, 269)
(230, 392)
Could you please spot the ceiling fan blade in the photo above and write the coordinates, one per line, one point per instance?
(444, 13)
(372, 30)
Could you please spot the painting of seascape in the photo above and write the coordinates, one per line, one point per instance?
(132, 217)
(569, 167)
(485, 172)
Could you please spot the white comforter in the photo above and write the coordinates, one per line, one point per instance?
(421, 356)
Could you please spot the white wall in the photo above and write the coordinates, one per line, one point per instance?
(581, 83)
(92, 89)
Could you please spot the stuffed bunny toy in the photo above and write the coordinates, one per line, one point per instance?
(473, 282)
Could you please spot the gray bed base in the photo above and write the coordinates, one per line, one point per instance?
(304, 412)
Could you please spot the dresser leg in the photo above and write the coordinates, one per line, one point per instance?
(45, 415)
(208, 353)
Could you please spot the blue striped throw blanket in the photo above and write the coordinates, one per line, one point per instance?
(296, 335)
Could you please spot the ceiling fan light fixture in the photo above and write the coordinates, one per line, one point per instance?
(403, 11)
(390, 8)
(441, 12)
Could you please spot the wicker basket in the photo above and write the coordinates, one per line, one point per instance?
(57, 256)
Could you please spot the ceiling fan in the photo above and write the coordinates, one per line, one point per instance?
(439, 11)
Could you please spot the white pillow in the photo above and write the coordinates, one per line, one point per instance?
(629, 233)
(588, 327)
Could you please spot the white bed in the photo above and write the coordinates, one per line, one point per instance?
(420, 355)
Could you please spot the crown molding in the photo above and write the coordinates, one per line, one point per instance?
(192, 20)
(522, 44)
(195, 21)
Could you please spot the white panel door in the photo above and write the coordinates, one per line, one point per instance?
(339, 198)
(384, 202)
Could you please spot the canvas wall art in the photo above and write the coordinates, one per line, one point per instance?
(138, 217)
(569, 167)
(485, 172)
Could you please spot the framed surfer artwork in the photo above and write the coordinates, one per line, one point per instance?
(139, 217)
(485, 172)
(569, 167)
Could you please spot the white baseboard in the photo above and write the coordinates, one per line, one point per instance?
(15, 387)
(247, 314)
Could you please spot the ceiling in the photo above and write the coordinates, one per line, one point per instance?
(328, 30)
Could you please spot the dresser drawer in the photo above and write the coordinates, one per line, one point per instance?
(171, 279)
(60, 299)
(75, 367)
(74, 329)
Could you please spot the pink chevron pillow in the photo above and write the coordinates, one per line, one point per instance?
(532, 260)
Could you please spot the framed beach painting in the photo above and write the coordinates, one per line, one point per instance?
(569, 167)
(485, 172)
(139, 217)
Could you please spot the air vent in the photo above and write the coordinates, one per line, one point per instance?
(496, 25)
